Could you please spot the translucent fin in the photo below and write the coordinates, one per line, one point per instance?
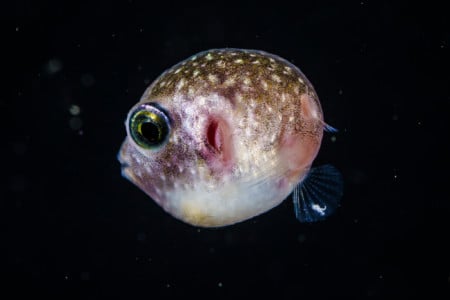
(319, 194)
(329, 128)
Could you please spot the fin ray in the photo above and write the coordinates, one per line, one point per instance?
(318, 195)
(329, 128)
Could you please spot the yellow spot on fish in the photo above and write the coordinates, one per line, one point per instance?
(180, 84)
(193, 213)
(212, 78)
(196, 72)
(239, 61)
(238, 97)
(276, 78)
(209, 56)
(174, 139)
(230, 81)
(264, 85)
(220, 63)
(191, 92)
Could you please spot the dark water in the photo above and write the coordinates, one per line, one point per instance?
(381, 71)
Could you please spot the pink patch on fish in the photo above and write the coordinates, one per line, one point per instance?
(218, 151)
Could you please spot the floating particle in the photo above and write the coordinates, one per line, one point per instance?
(75, 123)
(74, 110)
(53, 66)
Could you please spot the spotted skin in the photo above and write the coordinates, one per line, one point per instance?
(245, 128)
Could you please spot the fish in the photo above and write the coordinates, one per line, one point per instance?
(228, 134)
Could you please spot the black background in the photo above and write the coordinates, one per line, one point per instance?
(381, 71)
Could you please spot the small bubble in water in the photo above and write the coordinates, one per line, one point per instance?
(74, 110)
(75, 123)
(333, 138)
(53, 66)
(220, 284)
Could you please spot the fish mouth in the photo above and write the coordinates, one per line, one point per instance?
(124, 166)
(121, 156)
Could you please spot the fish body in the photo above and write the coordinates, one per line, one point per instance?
(226, 135)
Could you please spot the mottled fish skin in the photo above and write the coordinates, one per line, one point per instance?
(246, 126)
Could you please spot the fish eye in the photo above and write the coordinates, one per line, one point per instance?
(149, 126)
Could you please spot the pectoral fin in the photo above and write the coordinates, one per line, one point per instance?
(319, 194)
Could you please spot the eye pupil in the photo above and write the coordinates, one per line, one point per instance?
(150, 132)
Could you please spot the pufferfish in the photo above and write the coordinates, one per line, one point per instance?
(228, 134)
